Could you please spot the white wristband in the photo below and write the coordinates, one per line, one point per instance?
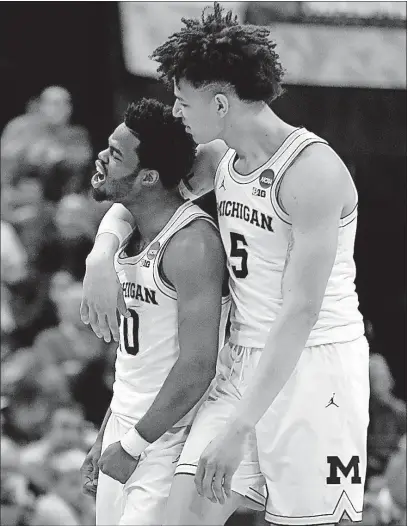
(133, 443)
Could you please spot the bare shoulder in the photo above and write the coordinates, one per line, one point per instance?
(318, 176)
(211, 153)
(196, 249)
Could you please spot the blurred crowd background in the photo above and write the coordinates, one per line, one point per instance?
(68, 71)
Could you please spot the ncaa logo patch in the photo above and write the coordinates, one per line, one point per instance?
(266, 178)
(153, 250)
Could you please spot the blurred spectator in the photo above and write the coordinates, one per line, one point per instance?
(13, 270)
(385, 501)
(16, 500)
(70, 239)
(387, 417)
(65, 504)
(59, 284)
(31, 309)
(45, 144)
(99, 373)
(34, 388)
(13, 255)
(71, 344)
(66, 431)
(3, 405)
(396, 477)
(24, 206)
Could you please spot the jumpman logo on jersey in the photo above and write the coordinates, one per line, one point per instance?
(222, 185)
(332, 402)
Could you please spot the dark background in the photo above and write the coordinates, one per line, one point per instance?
(77, 45)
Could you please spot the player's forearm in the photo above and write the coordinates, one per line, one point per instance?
(117, 221)
(280, 356)
(183, 388)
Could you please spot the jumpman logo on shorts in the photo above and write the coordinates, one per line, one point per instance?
(222, 185)
(332, 402)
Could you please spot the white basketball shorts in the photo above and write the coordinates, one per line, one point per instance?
(142, 499)
(306, 459)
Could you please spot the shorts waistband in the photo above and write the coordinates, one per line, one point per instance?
(241, 348)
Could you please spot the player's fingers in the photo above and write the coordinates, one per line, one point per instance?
(84, 312)
(93, 321)
(198, 479)
(113, 324)
(95, 474)
(208, 482)
(104, 327)
(121, 305)
(89, 489)
(227, 482)
(217, 485)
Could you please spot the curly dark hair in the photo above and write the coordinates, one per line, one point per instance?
(164, 144)
(219, 49)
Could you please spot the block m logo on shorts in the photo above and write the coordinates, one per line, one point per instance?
(337, 465)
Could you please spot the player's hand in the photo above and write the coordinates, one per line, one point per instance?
(218, 463)
(102, 297)
(90, 470)
(117, 463)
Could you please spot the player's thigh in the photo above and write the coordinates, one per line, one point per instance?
(312, 441)
(186, 507)
(147, 490)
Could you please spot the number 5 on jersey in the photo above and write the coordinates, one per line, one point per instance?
(238, 241)
(129, 333)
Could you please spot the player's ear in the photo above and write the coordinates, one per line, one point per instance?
(221, 104)
(149, 177)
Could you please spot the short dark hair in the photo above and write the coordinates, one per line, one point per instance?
(164, 144)
(219, 49)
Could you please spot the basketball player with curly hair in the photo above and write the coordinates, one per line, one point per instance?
(285, 421)
(172, 313)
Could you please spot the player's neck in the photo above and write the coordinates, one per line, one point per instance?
(152, 215)
(256, 135)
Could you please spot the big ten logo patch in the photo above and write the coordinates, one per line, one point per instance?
(266, 178)
(153, 250)
(337, 467)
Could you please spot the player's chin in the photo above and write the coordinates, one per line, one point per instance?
(99, 194)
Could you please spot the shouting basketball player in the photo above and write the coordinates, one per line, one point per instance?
(171, 319)
(288, 410)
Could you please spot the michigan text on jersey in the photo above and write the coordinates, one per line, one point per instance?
(136, 291)
(241, 211)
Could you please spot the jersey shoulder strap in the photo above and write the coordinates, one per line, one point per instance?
(186, 214)
(295, 147)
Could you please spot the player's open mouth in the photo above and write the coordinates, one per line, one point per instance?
(99, 177)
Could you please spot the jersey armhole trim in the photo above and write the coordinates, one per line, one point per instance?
(162, 282)
(217, 171)
(275, 189)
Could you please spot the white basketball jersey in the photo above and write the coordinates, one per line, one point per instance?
(149, 344)
(255, 232)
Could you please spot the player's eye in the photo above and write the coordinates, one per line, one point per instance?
(112, 154)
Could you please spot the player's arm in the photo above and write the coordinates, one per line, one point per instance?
(200, 180)
(313, 194)
(102, 295)
(194, 263)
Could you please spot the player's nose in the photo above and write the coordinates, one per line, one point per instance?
(104, 155)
